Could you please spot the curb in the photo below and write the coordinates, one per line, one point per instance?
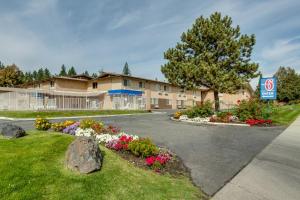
(209, 123)
(86, 116)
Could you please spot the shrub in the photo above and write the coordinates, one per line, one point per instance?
(143, 147)
(203, 110)
(42, 124)
(159, 161)
(252, 109)
(87, 123)
(177, 114)
(59, 126)
(98, 127)
(121, 143)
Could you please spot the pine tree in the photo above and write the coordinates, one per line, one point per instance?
(94, 75)
(86, 73)
(63, 71)
(40, 74)
(214, 54)
(72, 71)
(47, 73)
(35, 75)
(126, 70)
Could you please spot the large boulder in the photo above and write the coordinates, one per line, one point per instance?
(12, 131)
(83, 155)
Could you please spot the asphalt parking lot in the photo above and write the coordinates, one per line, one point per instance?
(214, 154)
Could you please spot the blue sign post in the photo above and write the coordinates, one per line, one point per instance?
(268, 88)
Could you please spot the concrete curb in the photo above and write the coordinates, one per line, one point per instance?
(208, 123)
(76, 117)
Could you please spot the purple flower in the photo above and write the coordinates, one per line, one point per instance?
(71, 129)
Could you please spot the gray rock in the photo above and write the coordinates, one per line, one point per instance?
(83, 155)
(12, 131)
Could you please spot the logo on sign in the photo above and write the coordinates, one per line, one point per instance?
(269, 85)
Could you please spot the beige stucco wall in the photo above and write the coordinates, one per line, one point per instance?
(105, 84)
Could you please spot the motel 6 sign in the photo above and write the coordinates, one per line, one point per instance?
(268, 88)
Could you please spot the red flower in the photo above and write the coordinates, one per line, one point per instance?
(150, 160)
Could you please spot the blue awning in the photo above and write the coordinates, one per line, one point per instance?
(125, 92)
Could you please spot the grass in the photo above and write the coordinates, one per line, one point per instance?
(285, 115)
(32, 168)
(71, 113)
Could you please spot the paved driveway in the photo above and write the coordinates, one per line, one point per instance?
(213, 153)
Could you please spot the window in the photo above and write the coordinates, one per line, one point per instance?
(157, 87)
(52, 84)
(154, 101)
(95, 85)
(126, 82)
(169, 101)
(165, 88)
(141, 84)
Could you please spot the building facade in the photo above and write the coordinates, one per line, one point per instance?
(109, 91)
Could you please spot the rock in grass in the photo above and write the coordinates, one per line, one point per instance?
(12, 131)
(83, 155)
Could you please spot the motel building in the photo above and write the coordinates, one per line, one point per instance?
(108, 91)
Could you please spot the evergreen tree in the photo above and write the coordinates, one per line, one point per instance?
(2, 65)
(35, 75)
(47, 73)
(126, 70)
(94, 75)
(214, 54)
(86, 73)
(63, 71)
(40, 74)
(288, 84)
(72, 71)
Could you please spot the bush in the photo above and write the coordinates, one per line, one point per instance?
(253, 109)
(60, 126)
(98, 127)
(143, 147)
(204, 110)
(42, 124)
(87, 123)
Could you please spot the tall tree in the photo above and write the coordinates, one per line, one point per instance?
(288, 84)
(2, 65)
(47, 73)
(63, 71)
(86, 73)
(214, 54)
(72, 71)
(126, 70)
(10, 76)
(40, 74)
(35, 75)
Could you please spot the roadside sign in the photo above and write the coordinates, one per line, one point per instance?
(268, 88)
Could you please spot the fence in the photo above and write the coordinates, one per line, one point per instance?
(38, 99)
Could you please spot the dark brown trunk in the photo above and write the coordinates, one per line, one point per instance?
(217, 101)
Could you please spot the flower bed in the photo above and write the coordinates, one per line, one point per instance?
(142, 152)
(247, 112)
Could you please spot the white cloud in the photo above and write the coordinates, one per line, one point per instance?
(124, 20)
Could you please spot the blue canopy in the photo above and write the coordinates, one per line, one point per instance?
(126, 92)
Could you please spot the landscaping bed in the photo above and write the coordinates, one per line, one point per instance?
(32, 167)
(142, 152)
(246, 113)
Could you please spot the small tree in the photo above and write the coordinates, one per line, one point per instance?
(63, 71)
(86, 73)
(72, 71)
(214, 54)
(288, 84)
(47, 73)
(126, 70)
(10, 76)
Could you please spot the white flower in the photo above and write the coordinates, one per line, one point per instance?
(183, 117)
(104, 138)
(84, 132)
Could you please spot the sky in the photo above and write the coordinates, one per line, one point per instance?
(93, 35)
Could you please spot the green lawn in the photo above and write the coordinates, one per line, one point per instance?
(285, 115)
(32, 168)
(71, 113)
